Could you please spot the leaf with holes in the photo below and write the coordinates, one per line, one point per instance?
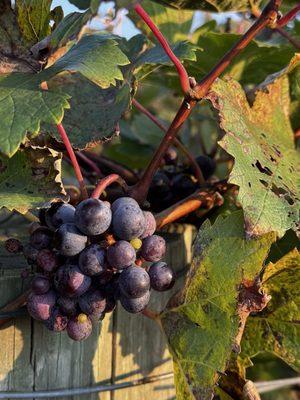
(30, 179)
(261, 140)
(202, 322)
(277, 328)
(94, 112)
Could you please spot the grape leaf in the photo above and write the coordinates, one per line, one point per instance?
(202, 321)
(277, 328)
(22, 107)
(33, 17)
(210, 5)
(94, 112)
(253, 65)
(174, 25)
(260, 138)
(30, 179)
(84, 4)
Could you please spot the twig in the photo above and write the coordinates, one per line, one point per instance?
(200, 198)
(293, 41)
(183, 75)
(177, 142)
(140, 190)
(103, 183)
(288, 16)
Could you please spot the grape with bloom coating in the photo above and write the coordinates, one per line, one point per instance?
(134, 282)
(67, 306)
(47, 260)
(93, 217)
(57, 322)
(40, 306)
(79, 327)
(69, 241)
(162, 277)
(128, 222)
(150, 224)
(92, 260)
(58, 214)
(40, 284)
(137, 305)
(153, 248)
(70, 281)
(123, 201)
(93, 303)
(41, 238)
(121, 255)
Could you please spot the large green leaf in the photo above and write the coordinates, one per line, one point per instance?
(202, 322)
(277, 328)
(84, 4)
(94, 112)
(252, 66)
(174, 25)
(30, 179)
(34, 19)
(261, 140)
(210, 5)
(23, 105)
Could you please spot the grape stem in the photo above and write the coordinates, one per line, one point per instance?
(288, 16)
(183, 75)
(268, 16)
(177, 142)
(150, 314)
(105, 182)
(69, 148)
(94, 167)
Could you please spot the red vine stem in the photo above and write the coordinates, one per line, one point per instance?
(177, 142)
(103, 183)
(288, 16)
(288, 37)
(183, 75)
(268, 15)
(90, 163)
(70, 151)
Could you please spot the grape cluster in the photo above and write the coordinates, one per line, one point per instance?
(90, 257)
(175, 181)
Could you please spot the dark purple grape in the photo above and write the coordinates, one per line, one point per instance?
(153, 248)
(162, 277)
(160, 184)
(57, 322)
(128, 222)
(70, 281)
(123, 201)
(93, 303)
(93, 217)
(69, 241)
(92, 260)
(40, 284)
(67, 306)
(47, 260)
(41, 238)
(134, 282)
(207, 165)
(58, 214)
(30, 253)
(13, 246)
(171, 156)
(183, 185)
(150, 224)
(79, 327)
(40, 306)
(110, 304)
(137, 305)
(121, 255)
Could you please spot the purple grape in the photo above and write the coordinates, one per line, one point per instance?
(40, 306)
(137, 305)
(134, 282)
(93, 303)
(123, 201)
(57, 322)
(30, 253)
(153, 248)
(104, 278)
(67, 306)
(58, 214)
(69, 241)
(41, 238)
(93, 217)
(160, 184)
(92, 260)
(171, 156)
(40, 284)
(79, 327)
(70, 281)
(162, 277)
(150, 224)
(128, 222)
(13, 245)
(121, 255)
(207, 165)
(47, 260)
